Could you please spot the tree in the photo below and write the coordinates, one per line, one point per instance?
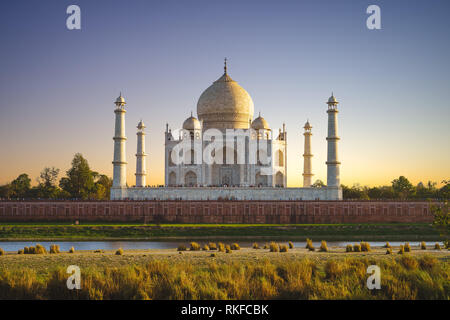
(318, 184)
(402, 187)
(442, 221)
(47, 187)
(355, 192)
(20, 187)
(79, 182)
(103, 187)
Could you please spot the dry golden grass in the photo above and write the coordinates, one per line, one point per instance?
(246, 274)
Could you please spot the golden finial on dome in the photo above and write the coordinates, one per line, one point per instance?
(225, 66)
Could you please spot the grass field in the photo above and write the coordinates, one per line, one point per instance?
(242, 274)
(133, 231)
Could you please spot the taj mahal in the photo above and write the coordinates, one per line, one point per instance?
(225, 153)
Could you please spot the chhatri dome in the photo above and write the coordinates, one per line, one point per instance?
(225, 105)
(192, 123)
(260, 124)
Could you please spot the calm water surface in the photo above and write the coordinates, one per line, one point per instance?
(127, 245)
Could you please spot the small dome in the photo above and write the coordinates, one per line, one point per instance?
(332, 99)
(191, 123)
(260, 123)
(120, 99)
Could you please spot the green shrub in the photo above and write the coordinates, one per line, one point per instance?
(291, 245)
(235, 246)
(255, 245)
(273, 247)
(323, 246)
(221, 247)
(357, 248)
(72, 250)
(212, 246)
(181, 247)
(387, 245)
(349, 248)
(54, 248)
(205, 247)
(119, 252)
(195, 246)
(2, 252)
(365, 247)
(283, 248)
(437, 246)
(401, 250)
(423, 245)
(407, 247)
(389, 251)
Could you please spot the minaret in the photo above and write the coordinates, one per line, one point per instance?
(140, 156)
(120, 163)
(333, 163)
(307, 155)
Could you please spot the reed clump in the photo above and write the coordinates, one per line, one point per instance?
(195, 246)
(323, 246)
(291, 245)
(365, 247)
(205, 247)
(221, 247)
(357, 248)
(235, 246)
(407, 247)
(283, 248)
(273, 247)
(349, 248)
(255, 245)
(2, 252)
(119, 252)
(72, 250)
(437, 246)
(309, 245)
(54, 248)
(387, 245)
(181, 247)
(212, 246)
(401, 249)
(423, 245)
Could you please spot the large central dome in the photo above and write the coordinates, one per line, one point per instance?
(225, 105)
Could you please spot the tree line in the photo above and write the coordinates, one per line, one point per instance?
(400, 189)
(80, 182)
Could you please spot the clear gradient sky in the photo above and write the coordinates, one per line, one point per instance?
(57, 86)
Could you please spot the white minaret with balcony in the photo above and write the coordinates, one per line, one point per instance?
(307, 155)
(141, 173)
(120, 163)
(333, 179)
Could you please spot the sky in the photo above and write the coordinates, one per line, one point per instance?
(57, 86)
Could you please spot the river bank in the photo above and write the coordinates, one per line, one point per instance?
(136, 232)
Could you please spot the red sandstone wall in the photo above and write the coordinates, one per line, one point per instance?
(217, 211)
